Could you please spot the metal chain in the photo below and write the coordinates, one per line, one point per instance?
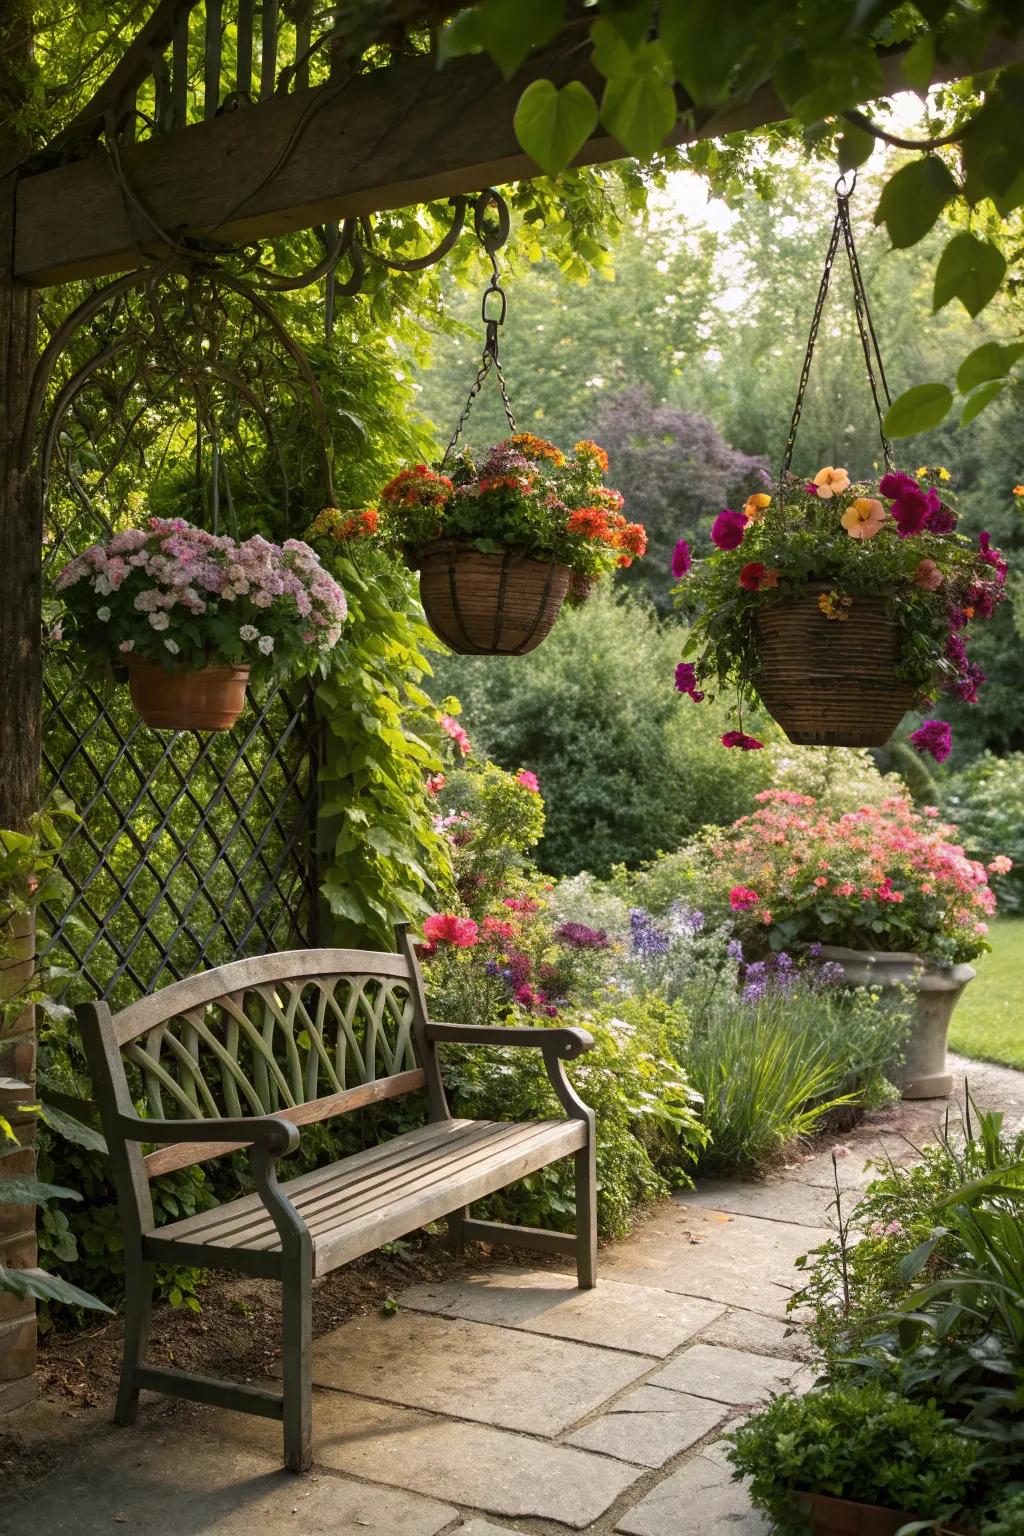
(865, 328)
(492, 241)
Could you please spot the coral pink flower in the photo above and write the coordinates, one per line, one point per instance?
(863, 518)
(928, 575)
(830, 482)
(447, 928)
(436, 783)
(1000, 865)
(453, 729)
(742, 898)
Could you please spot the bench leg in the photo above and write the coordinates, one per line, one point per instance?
(456, 1239)
(586, 1216)
(138, 1308)
(297, 1319)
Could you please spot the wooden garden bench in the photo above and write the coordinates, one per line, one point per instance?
(250, 1052)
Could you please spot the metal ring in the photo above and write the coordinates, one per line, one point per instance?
(499, 318)
(492, 240)
(840, 184)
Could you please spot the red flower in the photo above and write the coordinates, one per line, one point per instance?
(742, 898)
(755, 577)
(745, 743)
(686, 681)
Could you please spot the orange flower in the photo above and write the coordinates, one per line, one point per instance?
(587, 449)
(834, 605)
(754, 506)
(863, 517)
(533, 447)
(831, 481)
(1018, 490)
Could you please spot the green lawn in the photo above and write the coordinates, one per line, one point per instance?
(989, 1020)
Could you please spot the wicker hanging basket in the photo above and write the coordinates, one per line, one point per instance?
(209, 699)
(829, 682)
(501, 604)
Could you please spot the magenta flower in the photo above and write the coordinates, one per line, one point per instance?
(895, 483)
(933, 736)
(728, 529)
(811, 488)
(942, 520)
(912, 510)
(742, 898)
(992, 556)
(681, 559)
(686, 681)
(528, 780)
(745, 743)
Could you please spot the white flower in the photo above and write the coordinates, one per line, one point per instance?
(248, 632)
(160, 620)
(266, 644)
(103, 585)
(103, 614)
(172, 646)
(127, 645)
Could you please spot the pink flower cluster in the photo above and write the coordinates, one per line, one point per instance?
(837, 877)
(447, 928)
(453, 729)
(170, 574)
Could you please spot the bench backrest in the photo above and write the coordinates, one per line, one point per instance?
(306, 1034)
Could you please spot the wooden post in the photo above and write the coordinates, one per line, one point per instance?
(20, 723)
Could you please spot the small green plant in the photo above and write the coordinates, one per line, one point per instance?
(858, 1443)
(1009, 1517)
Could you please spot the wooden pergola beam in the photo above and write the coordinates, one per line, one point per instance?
(395, 136)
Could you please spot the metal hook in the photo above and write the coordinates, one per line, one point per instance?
(840, 189)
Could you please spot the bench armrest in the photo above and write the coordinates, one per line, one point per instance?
(567, 1043)
(271, 1132)
(557, 1045)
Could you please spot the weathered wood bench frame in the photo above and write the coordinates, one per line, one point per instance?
(312, 1224)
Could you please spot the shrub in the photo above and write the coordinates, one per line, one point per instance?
(840, 778)
(1009, 1517)
(648, 1126)
(882, 877)
(627, 768)
(986, 800)
(858, 1443)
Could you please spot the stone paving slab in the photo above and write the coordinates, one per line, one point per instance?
(740, 1329)
(650, 1426)
(494, 1471)
(165, 1482)
(512, 1379)
(726, 1375)
(483, 1528)
(790, 1200)
(614, 1315)
(699, 1500)
(695, 1251)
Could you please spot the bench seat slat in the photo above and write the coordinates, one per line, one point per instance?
(371, 1198)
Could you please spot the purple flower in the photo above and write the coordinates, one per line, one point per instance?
(579, 936)
(991, 556)
(734, 949)
(686, 681)
(933, 736)
(647, 940)
(728, 529)
(681, 559)
(942, 520)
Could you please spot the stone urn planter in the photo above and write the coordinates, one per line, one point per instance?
(843, 1517)
(923, 1074)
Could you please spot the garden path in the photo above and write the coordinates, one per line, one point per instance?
(506, 1401)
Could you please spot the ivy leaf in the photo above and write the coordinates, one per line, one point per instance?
(981, 397)
(613, 55)
(992, 360)
(706, 39)
(970, 270)
(639, 107)
(552, 125)
(508, 33)
(918, 410)
(919, 62)
(912, 200)
(854, 146)
(630, 18)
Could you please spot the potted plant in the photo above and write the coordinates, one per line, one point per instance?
(839, 606)
(884, 893)
(854, 1461)
(191, 615)
(501, 545)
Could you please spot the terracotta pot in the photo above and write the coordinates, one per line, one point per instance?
(208, 699)
(842, 1517)
(831, 682)
(501, 604)
(923, 1073)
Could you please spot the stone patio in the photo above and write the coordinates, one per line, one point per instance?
(509, 1401)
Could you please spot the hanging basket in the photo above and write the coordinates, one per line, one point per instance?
(210, 699)
(829, 682)
(501, 604)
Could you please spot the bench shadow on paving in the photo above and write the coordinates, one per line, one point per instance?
(508, 1400)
